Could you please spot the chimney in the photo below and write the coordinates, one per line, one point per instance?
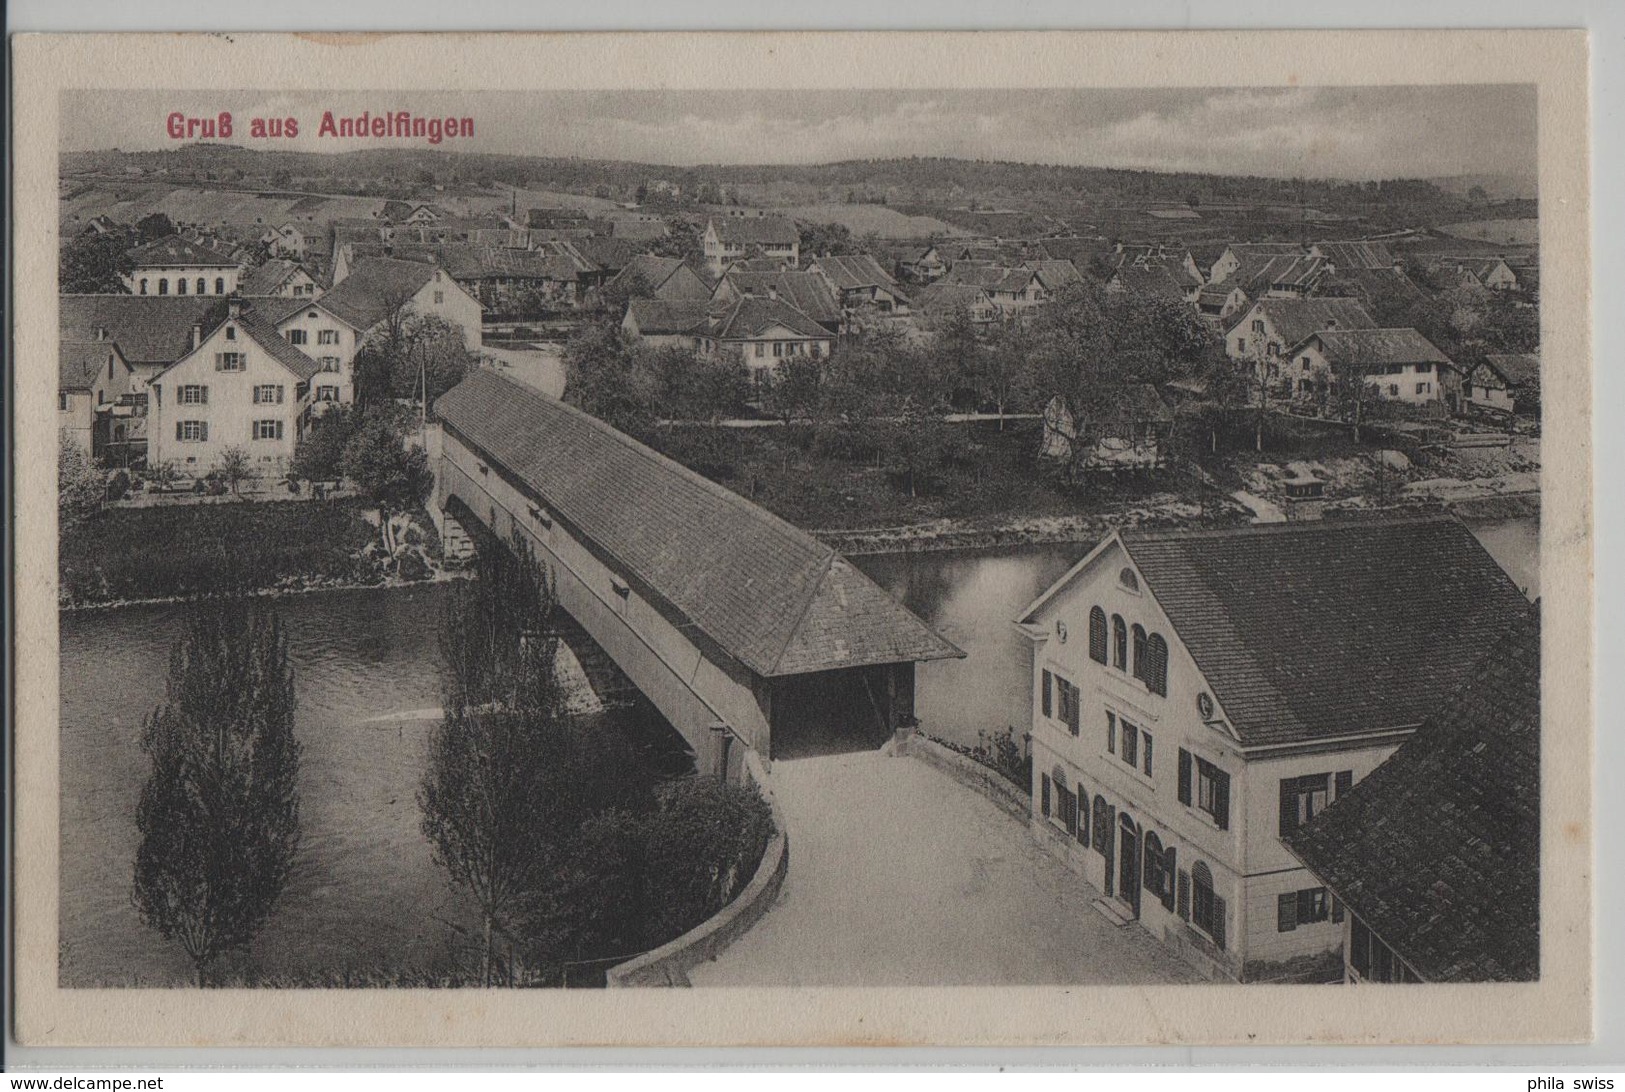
(197, 334)
(772, 291)
(234, 307)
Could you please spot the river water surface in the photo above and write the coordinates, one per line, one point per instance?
(366, 891)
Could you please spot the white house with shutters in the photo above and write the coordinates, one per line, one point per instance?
(242, 386)
(1198, 695)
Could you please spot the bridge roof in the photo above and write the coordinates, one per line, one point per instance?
(767, 593)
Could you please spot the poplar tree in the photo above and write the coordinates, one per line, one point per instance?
(219, 814)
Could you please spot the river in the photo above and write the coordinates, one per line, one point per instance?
(365, 890)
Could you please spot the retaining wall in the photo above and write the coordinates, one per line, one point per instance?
(970, 773)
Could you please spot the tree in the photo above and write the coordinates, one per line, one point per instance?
(389, 473)
(234, 467)
(512, 774)
(794, 390)
(821, 239)
(154, 226)
(94, 263)
(695, 386)
(219, 814)
(410, 356)
(602, 377)
(80, 487)
(319, 455)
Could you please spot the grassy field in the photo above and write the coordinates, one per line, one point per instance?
(196, 205)
(194, 549)
(880, 220)
(1524, 232)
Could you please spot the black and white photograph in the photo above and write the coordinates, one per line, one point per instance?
(614, 539)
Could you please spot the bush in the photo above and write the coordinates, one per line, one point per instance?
(411, 566)
(701, 847)
(118, 485)
(189, 550)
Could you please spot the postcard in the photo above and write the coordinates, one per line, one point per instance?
(803, 539)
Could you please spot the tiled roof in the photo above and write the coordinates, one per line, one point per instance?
(939, 298)
(769, 595)
(1373, 283)
(374, 288)
(983, 275)
(149, 329)
(1438, 850)
(1155, 281)
(1518, 369)
(174, 251)
(604, 252)
(1055, 272)
(1397, 345)
(276, 346)
(1295, 320)
(1348, 257)
(669, 316)
(849, 271)
(649, 274)
(765, 230)
(749, 317)
(1012, 280)
(265, 279)
(806, 292)
(1333, 628)
(79, 361)
(1302, 273)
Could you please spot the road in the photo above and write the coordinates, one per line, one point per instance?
(901, 876)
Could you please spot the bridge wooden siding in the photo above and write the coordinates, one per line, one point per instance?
(710, 695)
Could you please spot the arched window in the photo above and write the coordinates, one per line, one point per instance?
(220, 286)
(163, 286)
(180, 286)
(143, 286)
(1207, 908)
(1156, 665)
(1119, 643)
(1097, 635)
(1128, 579)
(1139, 650)
(202, 287)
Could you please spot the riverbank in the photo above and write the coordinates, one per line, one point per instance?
(122, 556)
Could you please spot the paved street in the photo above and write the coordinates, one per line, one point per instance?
(899, 876)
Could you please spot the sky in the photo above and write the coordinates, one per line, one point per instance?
(1342, 132)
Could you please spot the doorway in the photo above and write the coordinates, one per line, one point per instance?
(1128, 865)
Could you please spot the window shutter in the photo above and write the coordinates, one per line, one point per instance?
(1097, 635)
(1343, 782)
(1083, 816)
(1337, 907)
(1044, 794)
(280, 390)
(1170, 869)
(1218, 922)
(279, 430)
(1156, 668)
(177, 430)
(1047, 700)
(204, 391)
(1289, 806)
(1306, 905)
(1286, 912)
(1221, 798)
(1184, 776)
(204, 435)
(1183, 898)
(1145, 742)
(219, 361)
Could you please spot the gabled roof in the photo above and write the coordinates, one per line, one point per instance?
(1012, 280)
(1153, 281)
(1302, 273)
(1397, 345)
(1327, 629)
(806, 292)
(1055, 272)
(983, 275)
(764, 592)
(1348, 257)
(604, 252)
(264, 280)
(1438, 850)
(750, 317)
(174, 251)
(274, 309)
(655, 317)
(1370, 284)
(853, 271)
(150, 330)
(374, 288)
(1295, 320)
(651, 272)
(1217, 294)
(939, 298)
(763, 230)
(257, 330)
(1515, 369)
(79, 361)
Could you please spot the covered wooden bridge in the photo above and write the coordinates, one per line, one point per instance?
(736, 625)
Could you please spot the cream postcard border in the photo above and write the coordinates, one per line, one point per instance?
(1557, 1008)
